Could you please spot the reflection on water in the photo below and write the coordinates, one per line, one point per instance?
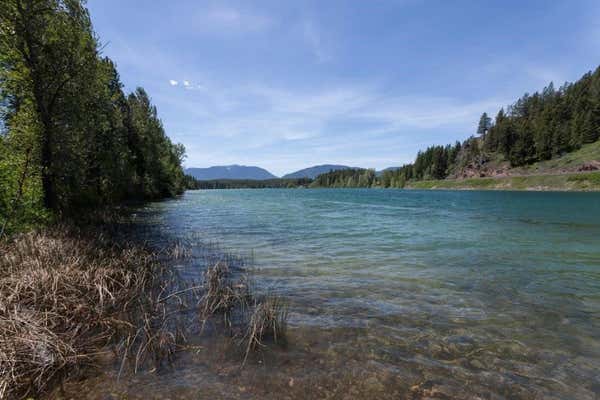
(396, 294)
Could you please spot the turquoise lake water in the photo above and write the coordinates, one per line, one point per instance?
(409, 294)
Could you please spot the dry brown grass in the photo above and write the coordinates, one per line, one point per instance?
(222, 295)
(65, 295)
(69, 297)
(267, 320)
(179, 251)
(251, 319)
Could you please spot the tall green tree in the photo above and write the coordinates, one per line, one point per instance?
(69, 136)
(485, 123)
(49, 45)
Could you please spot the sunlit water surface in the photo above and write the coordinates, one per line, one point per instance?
(398, 294)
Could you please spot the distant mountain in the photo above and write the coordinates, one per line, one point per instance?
(229, 172)
(315, 171)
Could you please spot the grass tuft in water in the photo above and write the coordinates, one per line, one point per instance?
(268, 320)
(251, 319)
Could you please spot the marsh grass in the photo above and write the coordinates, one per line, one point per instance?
(68, 297)
(222, 295)
(71, 297)
(267, 320)
(250, 318)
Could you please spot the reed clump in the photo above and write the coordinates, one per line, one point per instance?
(251, 319)
(65, 294)
(267, 320)
(223, 295)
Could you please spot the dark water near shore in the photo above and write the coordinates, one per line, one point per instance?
(398, 294)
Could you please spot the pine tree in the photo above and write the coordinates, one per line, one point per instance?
(589, 129)
(484, 126)
(576, 134)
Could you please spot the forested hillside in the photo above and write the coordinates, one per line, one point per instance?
(355, 177)
(537, 127)
(70, 138)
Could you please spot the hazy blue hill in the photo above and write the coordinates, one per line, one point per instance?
(230, 172)
(315, 171)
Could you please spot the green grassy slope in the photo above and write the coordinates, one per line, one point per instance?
(568, 162)
(584, 181)
(557, 174)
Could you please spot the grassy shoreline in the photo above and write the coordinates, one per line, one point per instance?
(575, 182)
(71, 298)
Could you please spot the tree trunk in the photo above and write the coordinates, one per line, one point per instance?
(50, 200)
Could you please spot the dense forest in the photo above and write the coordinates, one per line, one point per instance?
(548, 124)
(247, 183)
(70, 138)
(354, 177)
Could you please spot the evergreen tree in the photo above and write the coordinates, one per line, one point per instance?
(485, 123)
(70, 138)
(589, 128)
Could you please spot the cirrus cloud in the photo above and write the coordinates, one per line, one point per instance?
(227, 20)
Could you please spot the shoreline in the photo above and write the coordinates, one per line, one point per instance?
(571, 182)
(588, 181)
(74, 299)
(380, 368)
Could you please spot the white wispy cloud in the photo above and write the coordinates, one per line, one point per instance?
(367, 103)
(323, 124)
(228, 20)
(542, 75)
(314, 39)
(186, 83)
(173, 82)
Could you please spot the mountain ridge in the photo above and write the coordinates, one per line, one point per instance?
(233, 171)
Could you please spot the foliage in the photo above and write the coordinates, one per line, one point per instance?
(433, 163)
(69, 137)
(485, 123)
(548, 124)
(346, 178)
(194, 184)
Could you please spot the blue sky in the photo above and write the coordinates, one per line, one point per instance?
(289, 84)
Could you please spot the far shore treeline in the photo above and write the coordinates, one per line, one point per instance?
(70, 138)
(537, 127)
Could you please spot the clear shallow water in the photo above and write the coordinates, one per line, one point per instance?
(403, 294)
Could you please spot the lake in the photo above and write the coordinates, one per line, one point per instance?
(399, 294)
